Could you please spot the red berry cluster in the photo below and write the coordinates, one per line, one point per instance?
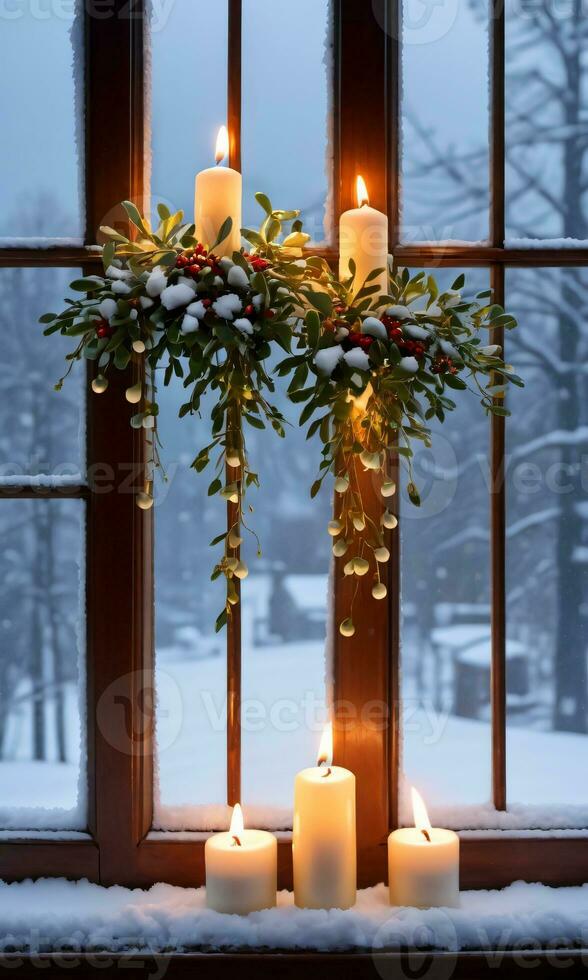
(257, 263)
(443, 365)
(406, 346)
(194, 261)
(355, 339)
(103, 329)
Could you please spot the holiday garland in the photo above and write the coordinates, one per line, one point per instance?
(381, 368)
(372, 369)
(167, 302)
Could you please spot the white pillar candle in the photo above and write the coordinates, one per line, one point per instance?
(241, 869)
(363, 237)
(423, 863)
(217, 197)
(323, 844)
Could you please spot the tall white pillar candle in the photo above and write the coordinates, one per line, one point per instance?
(324, 844)
(363, 237)
(423, 864)
(241, 869)
(218, 194)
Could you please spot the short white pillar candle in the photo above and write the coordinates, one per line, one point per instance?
(323, 842)
(423, 863)
(241, 869)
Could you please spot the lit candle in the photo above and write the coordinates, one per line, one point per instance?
(218, 197)
(423, 863)
(323, 843)
(363, 237)
(241, 869)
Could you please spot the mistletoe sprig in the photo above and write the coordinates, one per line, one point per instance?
(170, 306)
(381, 368)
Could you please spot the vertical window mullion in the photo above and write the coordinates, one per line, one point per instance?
(497, 427)
(234, 621)
(120, 708)
(361, 663)
(394, 82)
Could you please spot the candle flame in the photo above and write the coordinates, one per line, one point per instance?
(362, 191)
(421, 817)
(222, 144)
(325, 753)
(236, 828)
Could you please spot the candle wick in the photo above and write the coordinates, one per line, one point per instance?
(426, 835)
(328, 772)
(237, 841)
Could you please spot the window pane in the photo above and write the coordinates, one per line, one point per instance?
(41, 431)
(190, 657)
(284, 609)
(446, 613)
(41, 77)
(547, 539)
(445, 122)
(188, 96)
(285, 147)
(546, 147)
(42, 743)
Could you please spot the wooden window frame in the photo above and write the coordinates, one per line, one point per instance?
(120, 847)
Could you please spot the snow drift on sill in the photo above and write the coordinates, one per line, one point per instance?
(53, 914)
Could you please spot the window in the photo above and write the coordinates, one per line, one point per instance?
(147, 719)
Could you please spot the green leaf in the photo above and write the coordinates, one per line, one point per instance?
(320, 301)
(221, 621)
(224, 231)
(86, 285)
(108, 253)
(315, 488)
(264, 202)
(452, 381)
(48, 318)
(459, 282)
(135, 217)
(214, 487)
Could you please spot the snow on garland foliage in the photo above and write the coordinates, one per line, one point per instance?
(381, 367)
(371, 369)
(171, 304)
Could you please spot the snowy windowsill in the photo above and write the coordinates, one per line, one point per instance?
(58, 915)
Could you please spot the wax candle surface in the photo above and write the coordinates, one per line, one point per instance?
(323, 846)
(363, 237)
(218, 197)
(241, 871)
(423, 863)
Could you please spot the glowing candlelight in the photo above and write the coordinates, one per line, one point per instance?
(323, 842)
(222, 145)
(218, 197)
(241, 868)
(423, 863)
(363, 238)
